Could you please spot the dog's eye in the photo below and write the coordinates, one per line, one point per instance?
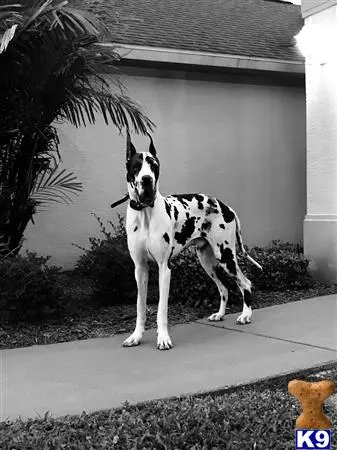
(137, 167)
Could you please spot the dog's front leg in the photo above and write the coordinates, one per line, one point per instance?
(163, 339)
(142, 277)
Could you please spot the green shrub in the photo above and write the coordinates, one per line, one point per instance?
(29, 289)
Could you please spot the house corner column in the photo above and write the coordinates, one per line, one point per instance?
(320, 223)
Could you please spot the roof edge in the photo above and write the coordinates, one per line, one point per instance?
(310, 8)
(186, 57)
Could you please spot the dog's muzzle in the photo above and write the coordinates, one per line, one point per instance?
(147, 193)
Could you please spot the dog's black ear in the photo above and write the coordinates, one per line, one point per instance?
(130, 149)
(152, 149)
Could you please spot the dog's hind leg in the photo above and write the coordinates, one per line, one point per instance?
(245, 288)
(142, 277)
(209, 263)
(229, 273)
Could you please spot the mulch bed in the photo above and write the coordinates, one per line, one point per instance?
(92, 322)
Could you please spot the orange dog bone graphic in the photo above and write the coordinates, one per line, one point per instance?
(312, 396)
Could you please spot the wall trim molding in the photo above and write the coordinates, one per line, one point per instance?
(321, 218)
(194, 58)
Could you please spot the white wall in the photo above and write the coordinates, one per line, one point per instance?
(244, 143)
(320, 226)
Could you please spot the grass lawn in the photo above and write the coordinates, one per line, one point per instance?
(259, 416)
(90, 322)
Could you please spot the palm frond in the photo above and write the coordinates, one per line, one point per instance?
(4, 250)
(43, 16)
(82, 21)
(7, 37)
(52, 68)
(9, 20)
(58, 13)
(55, 186)
(37, 10)
(76, 75)
(9, 12)
(82, 107)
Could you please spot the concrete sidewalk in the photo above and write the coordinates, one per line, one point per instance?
(98, 373)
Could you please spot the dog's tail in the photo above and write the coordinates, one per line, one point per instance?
(240, 243)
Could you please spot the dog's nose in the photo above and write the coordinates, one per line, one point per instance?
(146, 179)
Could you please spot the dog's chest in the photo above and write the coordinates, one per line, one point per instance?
(149, 228)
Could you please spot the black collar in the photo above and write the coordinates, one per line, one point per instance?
(122, 200)
(138, 206)
(133, 203)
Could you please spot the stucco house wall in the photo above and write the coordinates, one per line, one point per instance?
(320, 225)
(243, 140)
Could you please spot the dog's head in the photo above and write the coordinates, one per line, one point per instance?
(142, 173)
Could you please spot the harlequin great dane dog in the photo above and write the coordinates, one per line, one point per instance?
(159, 227)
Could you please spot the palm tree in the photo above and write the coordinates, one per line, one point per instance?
(53, 67)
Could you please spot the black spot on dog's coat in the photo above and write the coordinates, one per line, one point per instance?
(184, 199)
(168, 208)
(199, 199)
(224, 277)
(211, 210)
(186, 231)
(206, 226)
(134, 166)
(166, 237)
(175, 212)
(247, 297)
(169, 265)
(154, 165)
(227, 257)
(136, 228)
(212, 202)
(221, 275)
(212, 207)
(203, 234)
(222, 226)
(227, 213)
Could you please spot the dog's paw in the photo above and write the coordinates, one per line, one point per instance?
(244, 318)
(216, 317)
(132, 340)
(164, 342)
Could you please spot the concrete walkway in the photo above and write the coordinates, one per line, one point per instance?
(98, 373)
